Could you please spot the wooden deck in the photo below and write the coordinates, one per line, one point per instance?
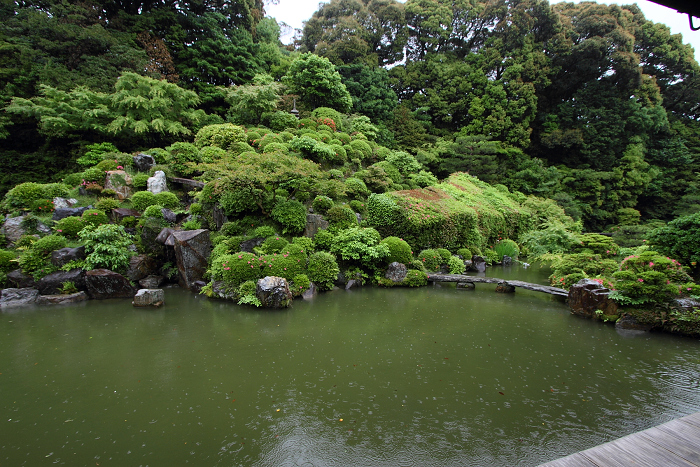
(676, 443)
(494, 280)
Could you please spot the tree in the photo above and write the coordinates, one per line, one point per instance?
(369, 87)
(317, 83)
(249, 101)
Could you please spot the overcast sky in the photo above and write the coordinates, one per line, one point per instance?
(294, 12)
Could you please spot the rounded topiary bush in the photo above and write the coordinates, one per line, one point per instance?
(289, 262)
(107, 204)
(291, 214)
(341, 217)
(46, 245)
(322, 204)
(415, 278)
(155, 211)
(299, 284)
(399, 250)
(142, 199)
(323, 270)
(444, 254)
(465, 253)
(273, 244)
(95, 217)
(456, 265)
(69, 226)
(7, 261)
(236, 268)
(431, 259)
(167, 199)
(220, 135)
(356, 188)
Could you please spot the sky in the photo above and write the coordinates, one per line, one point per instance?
(294, 12)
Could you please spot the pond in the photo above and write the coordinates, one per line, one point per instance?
(370, 377)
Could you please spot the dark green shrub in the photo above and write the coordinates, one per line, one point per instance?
(506, 247)
(431, 259)
(36, 264)
(252, 138)
(490, 256)
(305, 243)
(323, 270)
(73, 179)
(247, 294)
(196, 209)
(356, 188)
(648, 278)
(142, 199)
(307, 123)
(7, 262)
(182, 156)
(341, 217)
(234, 269)
(323, 240)
(415, 278)
(291, 214)
(273, 244)
(465, 253)
(24, 194)
(279, 120)
(42, 206)
(322, 204)
(456, 265)
(107, 246)
(289, 262)
(107, 204)
(94, 175)
(155, 211)
(167, 199)
(107, 165)
(444, 254)
(46, 245)
(263, 231)
(362, 148)
(399, 250)
(129, 221)
(416, 264)
(596, 244)
(140, 181)
(192, 224)
(95, 217)
(680, 239)
(95, 153)
(299, 284)
(220, 135)
(571, 268)
(361, 246)
(335, 174)
(358, 206)
(276, 147)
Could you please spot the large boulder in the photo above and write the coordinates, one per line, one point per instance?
(10, 298)
(588, 298)
(61, 299)
(66, 255)
(478, 263)
(62, 213)
(221, 290)
(157, 183)
(151, 282)
(310, 293)
(220, 217)
(118, 214)
(248, 245)
(140, 266)
(143, 162)
(120, 182)
(314, 223)
(20, 280)
(192, 249)
(273, 292)
(13, 229)
(165, 237)
(149, 297)
(62, 203)
(53, 283)
(396, 272)
(103, 283)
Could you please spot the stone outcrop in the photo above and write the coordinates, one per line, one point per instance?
(478, 263)
(151, 282)
(62, 203)
(630, 323)
(273, 292)
(149, 297)
(61, 299)
(248, 245)
(144, 162)
(192, 249)
(221, 290)
(310, 293)
(168, 215)
(10, 298)
(588, 298)
(20, 280)
(165, 237)
(396, 272)
(504, 287)
(66, 255)
(140, 266)
(52, 283)
(103, 283)
(13, 229)
(62, 213)
(120, 182)
(157, 183)
(118, 214)
(314, 223)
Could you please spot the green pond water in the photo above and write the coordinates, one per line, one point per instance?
(369, 377)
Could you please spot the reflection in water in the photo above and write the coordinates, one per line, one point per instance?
(434, 376)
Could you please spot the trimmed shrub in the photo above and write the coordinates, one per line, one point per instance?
(506, 247)
(465, 253)
(571, 268)
(323, 270)
(46, 245)
(444, 254)
(107, 165)
(415, 278)
(299, 284)
(221, 135)
(211, 154)
(95, 217)
(322, 204)
(399, 250)
(431, 259)
(456, 265)
(356, 188)
(7, 261)
(323, 240)
(140, 181)
(142, 199)
(167, 199)
(24, 194)
(289, 262)
(273, 244)
(234, 269)
(291, 214)
(341, 217)
(263, 231)
(69, 227)
(182, 156)
(648, 278)
(95, 153)
(106, 246)
(107, 204)
(305, 243)
(279, 120)
(361, 246)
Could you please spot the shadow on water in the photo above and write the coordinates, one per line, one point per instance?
(373, 377)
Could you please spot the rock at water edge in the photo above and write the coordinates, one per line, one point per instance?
(103, 284)
(192, 249)
(149, 297)
(273, 292)
(17, 297)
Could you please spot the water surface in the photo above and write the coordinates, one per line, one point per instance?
(371, 377)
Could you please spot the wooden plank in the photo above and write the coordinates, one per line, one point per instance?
(634, 450)
(676, 439)
(693, 419)
(574, 460)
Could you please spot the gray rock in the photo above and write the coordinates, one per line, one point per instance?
(248, 245)
(587, 296)
(52, 283)
(396, 272)
(504, 287)
(478, 263)
(314, 223)
(10, 298)
(151, 282)
(20, 280)
(507, 260)
(352, 284)
(273, 292)
(143, 162)
(467, 264)
(118, 214)
(13, 229)
(219, 217)
(62, 203)
(164, 237)
(169, 216)
(192, 249)
(62, 213)
(310, 293)
(66, 255)
(61, 299)
(630, 323)
(119, 181)
(157, 183)
(149, 297)
(221, 290)
(103, 283)
(466, 286)
(140, 266)
(198, 286)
